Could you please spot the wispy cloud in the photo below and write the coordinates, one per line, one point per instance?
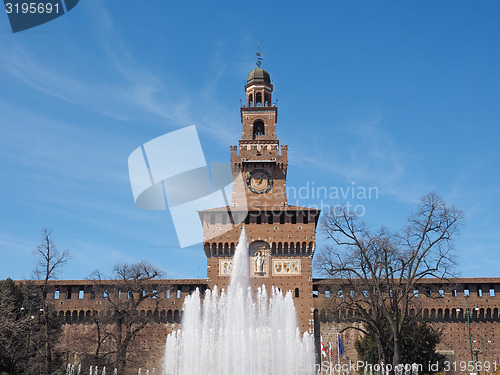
(366, 153)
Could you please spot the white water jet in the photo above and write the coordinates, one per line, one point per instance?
(237, 333)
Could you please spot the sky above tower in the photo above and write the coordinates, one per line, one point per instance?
(379, 103)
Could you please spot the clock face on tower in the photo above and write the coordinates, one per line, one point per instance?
(259, 181)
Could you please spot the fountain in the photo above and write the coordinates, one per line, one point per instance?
(239, 333)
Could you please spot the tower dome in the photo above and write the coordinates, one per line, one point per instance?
(258, 75)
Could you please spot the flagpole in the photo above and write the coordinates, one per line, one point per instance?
(338, 350)
(330, 354)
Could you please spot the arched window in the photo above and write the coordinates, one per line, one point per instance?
(177, 317)
(273, 248)
(214, 249)
(258, 99)
(258, 129)
(453, 314)
(267, 101)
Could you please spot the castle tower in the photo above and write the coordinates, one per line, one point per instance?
(281, 238)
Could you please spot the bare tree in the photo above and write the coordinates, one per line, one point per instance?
(380, 271)
(131, 287)
(13, 328)
(50, 261)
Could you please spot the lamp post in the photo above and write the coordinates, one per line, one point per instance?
(31, 317)
(467, 314)
(484, 354)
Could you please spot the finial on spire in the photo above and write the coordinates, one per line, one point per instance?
(259, 59)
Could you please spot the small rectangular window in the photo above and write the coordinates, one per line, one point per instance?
(454, 293)
(168, 293)
(415, 292)
(340, 294)
(315, 293)
(81, 293)
(155, 294)
(352, 293)
(441, 293)
(327, 293)
(105, 295)
(466, 292)
(365, 293)
(178, 293)
(56, 294)
(479, 292)
(492, 292)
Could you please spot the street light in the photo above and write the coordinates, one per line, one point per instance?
(484, 354)
(467, 315)
(31, 317)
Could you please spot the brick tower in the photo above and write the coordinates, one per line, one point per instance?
(281, 238)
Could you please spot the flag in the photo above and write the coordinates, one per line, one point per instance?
(323, 350)
(330, 348)
(341, 347)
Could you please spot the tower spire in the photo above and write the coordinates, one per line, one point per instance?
(259, 59)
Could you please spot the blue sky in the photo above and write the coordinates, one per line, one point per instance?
(401, 96)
